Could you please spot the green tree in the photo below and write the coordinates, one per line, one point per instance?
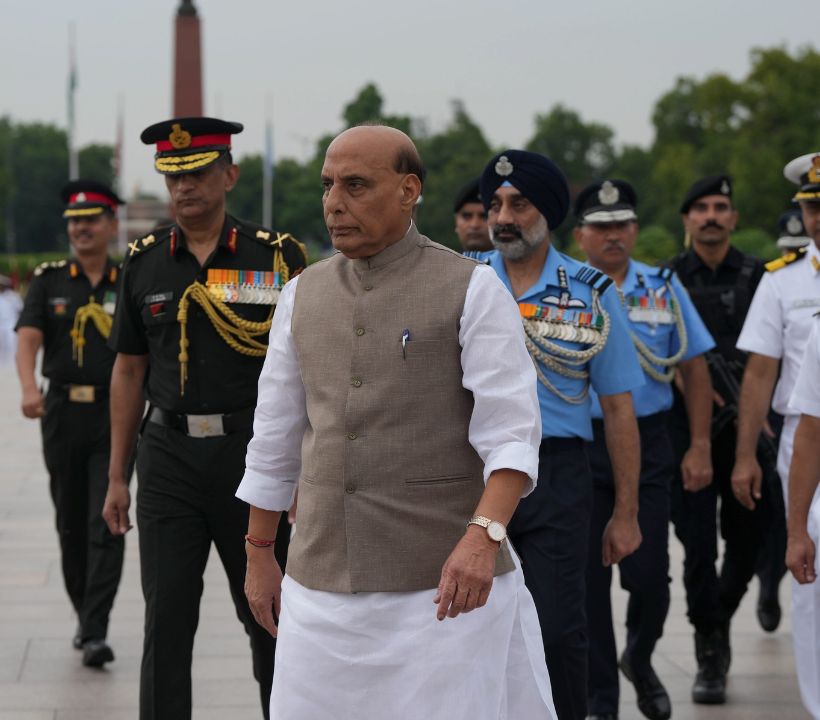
(584, 151)
(756, 242)
(654, 245)
(452, 158)
(367, 107)
(39, 169)
(245, 200)
(96, 162)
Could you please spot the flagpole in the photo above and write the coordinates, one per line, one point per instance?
(267, 170)
(122, 211)
(73, 160)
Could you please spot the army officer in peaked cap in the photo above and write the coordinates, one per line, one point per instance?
(668, 334)
(578, 339)
(191, 327)
(68, 312)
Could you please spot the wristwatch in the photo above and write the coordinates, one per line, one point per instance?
(495, 530)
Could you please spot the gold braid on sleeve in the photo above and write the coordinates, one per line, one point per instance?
(101, 319)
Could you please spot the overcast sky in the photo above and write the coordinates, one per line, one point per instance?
(608, 59)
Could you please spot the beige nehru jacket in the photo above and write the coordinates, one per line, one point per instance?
(389, 478)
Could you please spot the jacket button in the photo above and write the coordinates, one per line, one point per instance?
(368, 287)
(352, 436)
(356, 382)
(349, 489)
(360, 331)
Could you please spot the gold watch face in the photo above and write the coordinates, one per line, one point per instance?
(496, 531)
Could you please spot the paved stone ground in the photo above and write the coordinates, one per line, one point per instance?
(41, 677)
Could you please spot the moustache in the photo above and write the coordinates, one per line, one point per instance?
(508, 229)
(711, 224)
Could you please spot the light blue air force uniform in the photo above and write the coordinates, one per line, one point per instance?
(613, 370)
(648, 308)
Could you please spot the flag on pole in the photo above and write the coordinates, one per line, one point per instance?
(116, 160)
(267, 176)
(73, 161)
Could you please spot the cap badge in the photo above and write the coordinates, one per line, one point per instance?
(608, 194)
(503, 167)
(724, 188)
(794, 226)
(80, 197)
(814, 170)
(179, 138)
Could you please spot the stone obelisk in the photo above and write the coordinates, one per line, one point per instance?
(187, 62)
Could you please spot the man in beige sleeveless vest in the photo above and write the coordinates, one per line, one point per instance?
(398, 393)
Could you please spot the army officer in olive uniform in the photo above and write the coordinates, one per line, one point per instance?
(192, 325)
(68, 312)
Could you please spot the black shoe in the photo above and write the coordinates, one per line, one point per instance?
(96, 653)
(77, 640)
(713, 664)
(768, 613)
(653, 700)
(605, 716)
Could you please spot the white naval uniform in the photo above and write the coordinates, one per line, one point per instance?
(375, 655)
(778, 326)
(805, 400)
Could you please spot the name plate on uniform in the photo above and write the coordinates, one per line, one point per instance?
(81, 393)
(563, 323)
(202, 426)
(252, 287)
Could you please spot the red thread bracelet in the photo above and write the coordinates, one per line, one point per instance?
(258, 542)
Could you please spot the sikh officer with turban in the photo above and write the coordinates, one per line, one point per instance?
(578, 339)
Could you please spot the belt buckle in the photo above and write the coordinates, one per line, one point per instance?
(202, 426)
(81, 393)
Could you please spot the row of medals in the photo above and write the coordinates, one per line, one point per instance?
(553, 324)
(228, 286)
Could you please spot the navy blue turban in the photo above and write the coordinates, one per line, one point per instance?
(535, 176)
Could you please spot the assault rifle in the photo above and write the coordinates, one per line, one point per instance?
(725, 384)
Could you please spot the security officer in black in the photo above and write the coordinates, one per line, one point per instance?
(721, 281)
(68, 312)
(191, 327)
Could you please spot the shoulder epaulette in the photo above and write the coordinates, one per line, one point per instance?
(140, 245)
(594, 278)
(271, 238)
(53, 265)
(480, 256)
(781, 262)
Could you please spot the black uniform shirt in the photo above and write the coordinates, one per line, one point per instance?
(57, 290)
(156, 274)
(722, 296)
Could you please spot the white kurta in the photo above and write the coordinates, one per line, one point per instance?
(778, 325)
(805, 399)
(377, 655)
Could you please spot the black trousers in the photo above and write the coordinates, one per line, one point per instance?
(644, 574)
(550, 531)
(712, 598)
(76, 446)
(186, 502)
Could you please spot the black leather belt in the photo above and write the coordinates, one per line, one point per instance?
(215, 425)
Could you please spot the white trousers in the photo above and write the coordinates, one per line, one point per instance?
(805, 598)
(380, 656)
